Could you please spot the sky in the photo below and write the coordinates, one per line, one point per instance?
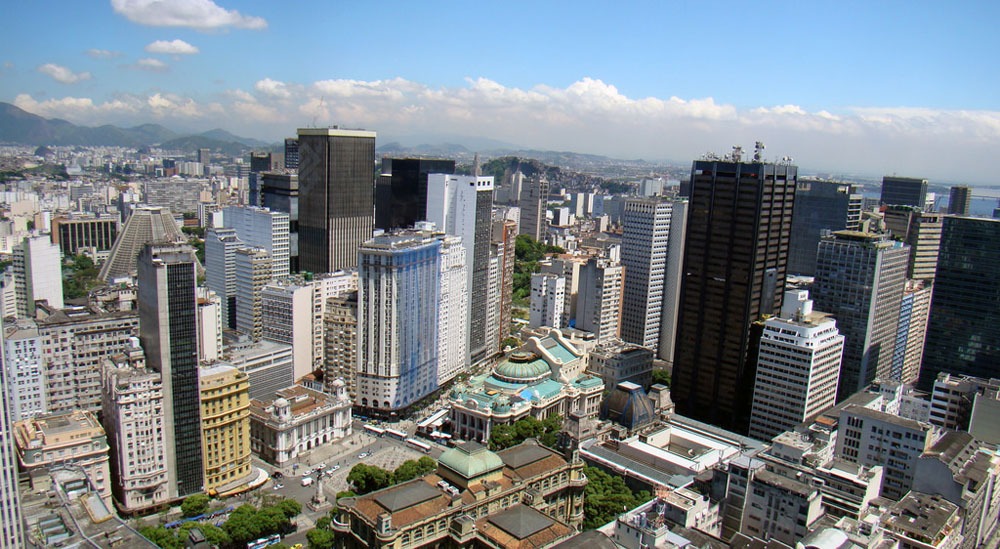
(872, 88)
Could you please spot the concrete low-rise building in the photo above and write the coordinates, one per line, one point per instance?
(298, 420)
(615, 361)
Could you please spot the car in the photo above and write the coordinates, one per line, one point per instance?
(277, 474)
(279, 486)
(297, 546)
(363, 455)
(320, 467)
(332, 470)
(307, 481)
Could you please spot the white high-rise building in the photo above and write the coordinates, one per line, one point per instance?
(599, 298)
(253, 272)
(453, 310)
(672, 277)
(209, 325)
(262, 228)
(11, 523)
(548, 297)
(287, 309)
(220, 269)
(23, 360)
(645, 235)
(37, 274)
(798, 367)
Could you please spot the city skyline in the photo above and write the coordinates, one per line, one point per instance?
(887, 89)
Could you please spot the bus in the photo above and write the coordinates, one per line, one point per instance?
(377, 431)
(396, 434)
(264, 542)
(422, 446)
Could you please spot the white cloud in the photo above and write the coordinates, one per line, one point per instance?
(195, 14)
(150, 64)
(102, 54)
(273, 88)
(174, 47)
(62, 74)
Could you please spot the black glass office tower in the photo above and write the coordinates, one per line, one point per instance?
(904, 191)
(336, 197)
(963, 333)
(735, 258)
(279, 191)
(821, 207)
(168, 329)
(404, 200)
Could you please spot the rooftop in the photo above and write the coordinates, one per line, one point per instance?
(921, 516)
(470, 460)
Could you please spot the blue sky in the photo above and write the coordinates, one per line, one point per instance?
(871, 87)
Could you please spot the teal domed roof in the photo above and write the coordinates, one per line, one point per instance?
(522, 367)
(470, 460)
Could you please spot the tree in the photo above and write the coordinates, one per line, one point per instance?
(606, 496)
(368, 478)
(161, 536)
(320, 539)
(80, 275)
(195, 505)
(661, 376)
(242, 525)
(411, 469)
(290, 508)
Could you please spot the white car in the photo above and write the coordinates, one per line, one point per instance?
(320, 467)
(332, 470)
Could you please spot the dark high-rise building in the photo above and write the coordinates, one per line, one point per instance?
(735, 259)
(168, 329)
(74, 234)
(821, 207)
(291, 153)
(904, 191)
(204, 157)
(404, 202)
(279, 191)
(534, 195)
(963, 333)
(259, 162)
(960, 200)
(337, 197)
(860, 278)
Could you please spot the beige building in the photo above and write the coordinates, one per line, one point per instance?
(225, 429)
(298, 420)
(75, 440)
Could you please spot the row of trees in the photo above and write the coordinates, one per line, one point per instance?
(369, 478)
(546, 431)
(606, 496)
(246, 523)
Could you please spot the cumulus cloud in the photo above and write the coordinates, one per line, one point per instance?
(196, 14)
(173, 47)
(150, 64)
(102, 54)
(273, 88)
(62, 74)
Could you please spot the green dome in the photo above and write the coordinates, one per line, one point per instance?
(470, 460)
(522, 367)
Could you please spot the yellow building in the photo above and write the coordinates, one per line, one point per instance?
(225, 429)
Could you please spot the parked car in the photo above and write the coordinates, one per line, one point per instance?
(363, 455)
(307, 481)
(278, 486)
(332, 470)
(320, 467)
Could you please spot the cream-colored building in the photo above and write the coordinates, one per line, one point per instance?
(225, 429)
(75, 440)
(298, 420)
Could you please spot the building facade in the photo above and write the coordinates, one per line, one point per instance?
(11, 520)
(645, 237)
(341, 325)
(297, 420)
(37, 274)
(599, 298)
(959, 200)
(904, 191)
(405, 203)
(548, 297)
(287, 317)
(253, 272)
(821, 207)
(921, 231)
(225, 429)
(262, 228)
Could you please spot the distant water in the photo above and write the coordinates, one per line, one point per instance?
(984, 200)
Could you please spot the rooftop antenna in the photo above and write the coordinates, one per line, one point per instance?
(758, 151)
(322, 99)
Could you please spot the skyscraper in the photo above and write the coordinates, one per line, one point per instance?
(672, 277)
(735, 259)
(462, 205)
(922, 232)
(860, 279)
(599, 298)
(253, 272)
(904, 191)
(220, 269)
(11, 524)
(337, 202)
(534, 194)
(259, 162)
(262, 228)
(963, 333)
(405, 203)
(960, 200)
(821, 207)
(645, 234)
(279, 192)
(291, 153)
(168, 329)
(38, 274)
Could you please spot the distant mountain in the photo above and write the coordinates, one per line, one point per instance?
(444, 149)
(20, 126)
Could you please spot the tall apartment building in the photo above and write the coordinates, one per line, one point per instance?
(37, 274)
(279, 192)
(798, 367)
(462, 205)
(493, 297)
(253, 272)
(287, 317)
(220, 269)
(134, 421)
(567, 267)
(599, 298)
(531, 202)
(76, 234)
(821, 207)
(780, 508)
(24, 387)
(262, 228)
(397, 321)
(735, 258)
(11, 522)
(963, 332)
(325, 287)
(291, 153)
(548, 297)
(209, 325)
(673, 275)
(922, 232)
(259, 162)
(904, 191)
(960, 200)
(146, 224)
(504, 236)
(225, 429)
(860, 278)
(405, 202)
(336, 191)
(911, 333)
(453, 310)
(645, 235)
(169, 333)
(75, 343)
(953, 399)
(341, 327)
